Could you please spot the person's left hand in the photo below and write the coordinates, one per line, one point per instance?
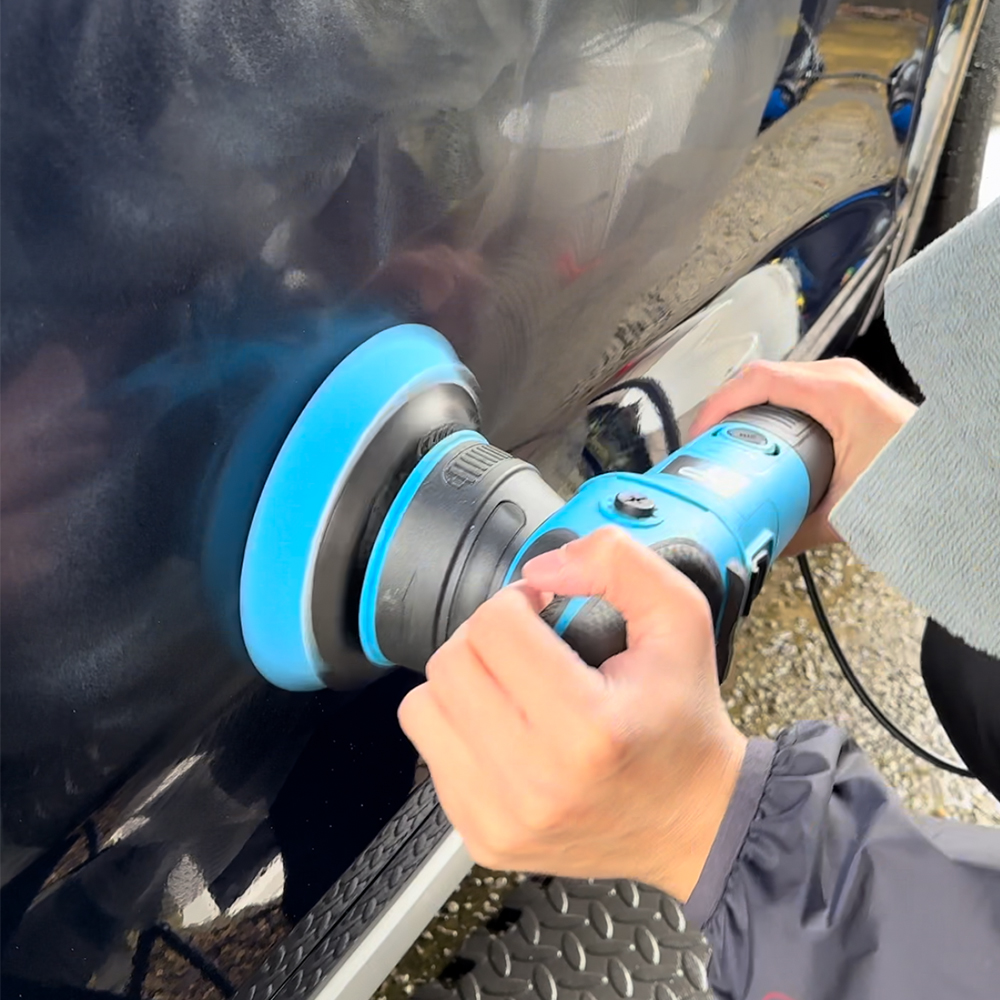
(544, 764)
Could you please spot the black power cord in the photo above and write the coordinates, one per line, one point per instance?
(653, 391)
(849, 675)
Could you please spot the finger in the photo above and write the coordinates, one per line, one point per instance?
(480, 711)
(467, 794)
(789, 383)
(656, 600)
(538, 671)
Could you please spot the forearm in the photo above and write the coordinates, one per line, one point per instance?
(820, 884)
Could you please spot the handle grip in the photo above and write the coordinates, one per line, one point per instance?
(595, 633)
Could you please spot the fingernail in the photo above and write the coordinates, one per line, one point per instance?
(547, 562)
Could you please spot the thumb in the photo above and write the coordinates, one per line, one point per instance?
(657, 601)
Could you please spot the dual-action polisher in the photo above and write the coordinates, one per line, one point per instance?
(387, 519)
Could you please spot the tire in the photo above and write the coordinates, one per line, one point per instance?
(956, 186)
(565, 939)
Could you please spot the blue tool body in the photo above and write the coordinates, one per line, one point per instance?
(719, 510)
(739, 493)
(387, 518)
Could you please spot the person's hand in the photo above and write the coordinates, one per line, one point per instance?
(544, 764)
(860, 412)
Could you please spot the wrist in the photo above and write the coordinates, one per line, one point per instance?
(688, 841)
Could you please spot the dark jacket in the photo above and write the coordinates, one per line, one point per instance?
(821, 885)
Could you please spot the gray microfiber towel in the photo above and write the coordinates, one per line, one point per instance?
(927, 512)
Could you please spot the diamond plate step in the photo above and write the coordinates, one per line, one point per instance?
(580, 940)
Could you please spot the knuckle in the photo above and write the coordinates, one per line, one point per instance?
(780, 374)
(486, 857)
(672, 585)
(499, 607)
(759, 368)
(612, 543)
(682, 599)
(435, 666)
(855, 366)
(847, 370)
(492, 617)
(411, 709)
(483, 851)
(694, 602)
(597, 551)
(496, 842)
(589, 545)
(757, 376)
(540, 813)
(696, 610)
(443, 665)
(602, 750)
(405, 712)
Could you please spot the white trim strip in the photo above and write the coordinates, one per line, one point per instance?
(373, 957)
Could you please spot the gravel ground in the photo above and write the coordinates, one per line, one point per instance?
(784, 672)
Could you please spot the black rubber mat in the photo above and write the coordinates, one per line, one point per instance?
(580, 940)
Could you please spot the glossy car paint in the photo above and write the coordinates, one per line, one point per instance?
(205, 207)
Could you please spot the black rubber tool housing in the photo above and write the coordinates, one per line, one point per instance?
(454, 545)
(360, 507)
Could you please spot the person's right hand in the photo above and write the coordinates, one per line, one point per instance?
(860, 412)
(546, 765)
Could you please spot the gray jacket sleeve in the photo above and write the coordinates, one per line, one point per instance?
(820, 884)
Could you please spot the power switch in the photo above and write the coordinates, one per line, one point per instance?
(758, 574)
(747, 436)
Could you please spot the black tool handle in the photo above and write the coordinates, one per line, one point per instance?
(597, 631)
